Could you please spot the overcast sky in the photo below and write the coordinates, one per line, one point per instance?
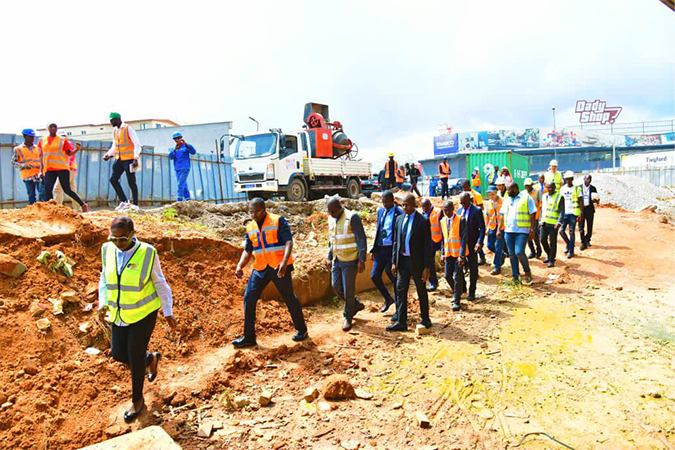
(391, 71)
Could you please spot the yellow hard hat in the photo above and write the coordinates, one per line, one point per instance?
(391, 154)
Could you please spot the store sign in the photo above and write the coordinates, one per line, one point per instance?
(596, 112)
(445, 144)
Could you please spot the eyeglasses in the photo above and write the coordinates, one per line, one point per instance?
(112, 238)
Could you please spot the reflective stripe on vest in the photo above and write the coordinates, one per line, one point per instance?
(452, 240)
(125, 148)
(444, 170)
(493, 213)
(435, 223)
(557, 179)
(536, 196)
(131, 295)
(29, 156)
(387, 165)
(550, 208)
(475, 179)
(342, 239)
(575, 200)
(53, 156)
(266, 247)
(523, 212)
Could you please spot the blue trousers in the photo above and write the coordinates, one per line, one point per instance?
(516, 243)
(32, 187)
(343, 277)
(497, 247)
(382, 264)
(571, 221)
(257, 284)
(183, 191)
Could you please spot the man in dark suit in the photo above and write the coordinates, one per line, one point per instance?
(588, 209)
(472, 239)
(381, 252)
(411, 257)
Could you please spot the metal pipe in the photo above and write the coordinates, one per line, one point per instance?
(220, 177)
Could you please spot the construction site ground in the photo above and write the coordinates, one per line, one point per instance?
(586, 354)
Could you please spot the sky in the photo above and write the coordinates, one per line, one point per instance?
(391, 71)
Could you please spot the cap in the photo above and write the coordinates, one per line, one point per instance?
(554, 162)
(177, 135)
(114, 115)
(528, 182)
(391, 154)
(492, 188)
(476, 169)
(28, 132)
(500, 180)
(569, 174)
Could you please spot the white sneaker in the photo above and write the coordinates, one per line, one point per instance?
(122, 206)
(131, 207)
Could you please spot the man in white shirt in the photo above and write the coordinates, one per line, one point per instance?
(573, 199)
(519, 218)
(126, 149)
(588, 212)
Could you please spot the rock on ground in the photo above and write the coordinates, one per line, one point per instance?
(10, 266)
(149, 438)
(338, 387)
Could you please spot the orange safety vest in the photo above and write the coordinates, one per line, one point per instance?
(400, 174)
(444, 170)
(266, 248)
(29, 156)
(452, 240)
(475, 179)
(536, 196)
(493, 214)
(387, 174)
(125, 148)
(53, 156)
(435, 223)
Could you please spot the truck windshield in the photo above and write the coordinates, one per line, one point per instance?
(256, 146)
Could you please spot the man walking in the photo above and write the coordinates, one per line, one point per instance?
(495, 245)
(270, 243)
(433, 215)
(381, 252)
(346, 255)
(72, 163)
(415, 175)
(472, 242)
(181, 164)
(518, 215)
(411, 258)
(587, 213)
(126, 149)
(573, 197)
(475, 179)
(444, 172)
(501, 187)
(536, 196)
(477, 200)
(400, 176)
(552, 213)
(554, 175)
(453, 228)
(28, 160)
(390, 170)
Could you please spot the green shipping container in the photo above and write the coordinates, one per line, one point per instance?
(518, 165)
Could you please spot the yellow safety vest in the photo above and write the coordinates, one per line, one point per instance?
(550, 205)
(131, 295)
(522, 210)
(557, 179)
(342, 239)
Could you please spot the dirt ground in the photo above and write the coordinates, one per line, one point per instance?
(586, 354)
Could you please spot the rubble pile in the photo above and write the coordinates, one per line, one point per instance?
(633, 193)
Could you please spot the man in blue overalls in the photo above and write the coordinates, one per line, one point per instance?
(181, 163)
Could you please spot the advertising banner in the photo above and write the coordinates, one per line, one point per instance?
(662, 159)
(559, 138)
(476, 141)
(642, 140)
(513, 139)
(445, 145)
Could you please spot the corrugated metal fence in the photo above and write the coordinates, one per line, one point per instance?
(210, 179)
(658, 176)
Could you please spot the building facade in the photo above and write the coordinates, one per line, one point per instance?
(101, 131)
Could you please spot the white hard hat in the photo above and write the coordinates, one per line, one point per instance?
(554, 162)
(500, 180)
(476, 168)
(569, 174)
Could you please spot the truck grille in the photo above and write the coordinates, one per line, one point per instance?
(246, 177)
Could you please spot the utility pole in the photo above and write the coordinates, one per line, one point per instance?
(257, 124)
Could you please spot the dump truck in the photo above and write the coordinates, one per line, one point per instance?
(300, 165)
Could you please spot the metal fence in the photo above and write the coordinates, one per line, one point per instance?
(651, 127)
(211, 178)
(658, 176)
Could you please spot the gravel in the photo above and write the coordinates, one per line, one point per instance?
(633, 193)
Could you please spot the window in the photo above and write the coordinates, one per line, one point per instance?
(68, 133)
(84, 132)
(288, 146)
(144, 126)
(158, 125)
(256, 146)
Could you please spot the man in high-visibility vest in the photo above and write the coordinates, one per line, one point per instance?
(495, 245)
(56, 151)
(72, 164)
(518, 215)
(501, 187)
(554, 175)
(126, 148)
(536, 196)
(346, 255)
(400, 176)
(28, 159)
(573, 196)
(390, 169)
(552, 213)
(477, 200)
(270, 243)
(444, 172)
(475, 179)
(434, 216)
(453, 228)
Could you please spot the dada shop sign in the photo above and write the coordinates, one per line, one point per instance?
(596, 112)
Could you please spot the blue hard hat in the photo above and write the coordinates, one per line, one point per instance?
(492, 188)
(177, 135)
(28, 132)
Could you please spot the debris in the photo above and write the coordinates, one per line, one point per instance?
(30, 369)
(70, 297)
(6, 405)
(363, 394)
(37, 309)
(350, 445)
(58, 261)
(483, 345)
(43, 324)
(57, 306)
(422, 419)
(88, 307)
(653, 393)
(92, 351)
(265, 398)
(311, 393)
(241, 401)
(338, 387)
(11, 267)
(397, 405)
(421, 330)
(322, 432)
(324, 406)
(618, 288)
(84, 327)
(205, 430)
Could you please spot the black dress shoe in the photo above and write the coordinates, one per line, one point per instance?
(243, 342)
(496, 271)
(431, 287)
(426, 323)
(538, 254)
(546, 261)
(531, 256)
(347, 325)
(471, 297)
(157, 356)
(551, 263)
(130, 416)
(481, 262)
(360, 306)
(455, 306)
(397, 327)
(299, 337)
(583, 247)
(386, 306)
(394, 318)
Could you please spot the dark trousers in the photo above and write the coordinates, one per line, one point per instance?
(254, 289)
(549, 240)
(454, 276)
(382, 264)
(64, 180)
(472, 264)
(120, 167)
(33, 187)
(405, 271)
(586, 225)
(413, 187)
(389, 183)
(129, 345)
(444, 188)
(433, 276)
(535, 242)
(343, 279)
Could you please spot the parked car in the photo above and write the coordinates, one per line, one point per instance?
(373, 184)
(454, 186)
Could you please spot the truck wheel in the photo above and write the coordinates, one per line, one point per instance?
(353, 188)
(297, 191)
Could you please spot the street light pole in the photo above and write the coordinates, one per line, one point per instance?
(257, 124)
(553, 118)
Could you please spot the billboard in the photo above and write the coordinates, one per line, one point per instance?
(473, 141)
(662, 159)
(642, 140)
(559, 138)
(445, 144)
(513, 139)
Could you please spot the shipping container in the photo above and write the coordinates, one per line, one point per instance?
(518, 165)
